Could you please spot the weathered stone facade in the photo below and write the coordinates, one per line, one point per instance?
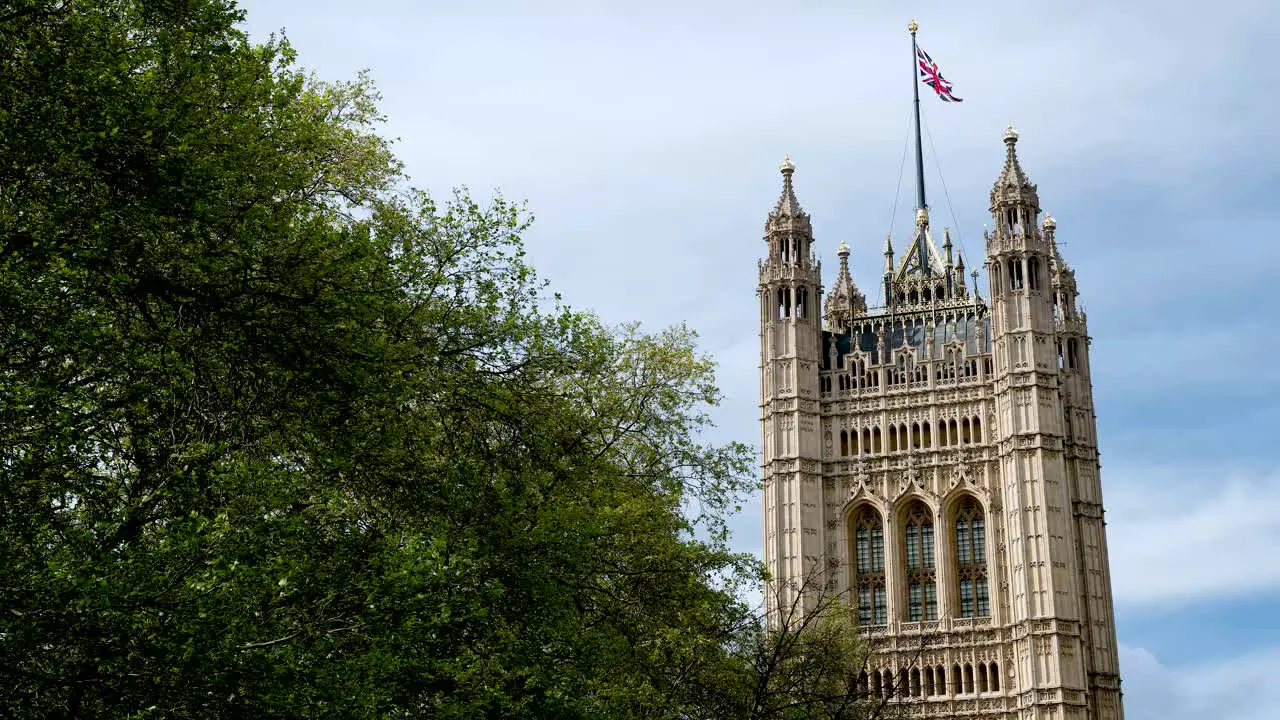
(935, 462)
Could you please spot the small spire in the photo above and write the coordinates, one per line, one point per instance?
(888, 253)
(1013, 186)
(960, 263)
(787, 214)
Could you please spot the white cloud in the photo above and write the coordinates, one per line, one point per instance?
(1179, 535)
(1239, 688)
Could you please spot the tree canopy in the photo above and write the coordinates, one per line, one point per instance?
(281, 436)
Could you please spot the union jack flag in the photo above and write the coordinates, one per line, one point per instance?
(931, 76)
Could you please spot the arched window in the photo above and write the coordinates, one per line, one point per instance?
(928, 436)
(995, 278)
(968, 678)
(954, 435)
(957, 686)
(971, 559)
(1033, 273)
(802, 297)
(877, 686)
(994, 673)
(866, 440)
(875, 441)
(915, 682)
(853, 442)
(928, 682)
(942, 433)
(964, 431)
(982, 677)
(977, 430)
(922, 591)
(893, 438)
(940, 680)
(915, 435)
(844, 442)
(868, 564)
(1073, 359)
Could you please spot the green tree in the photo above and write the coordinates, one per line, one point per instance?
(282, 437)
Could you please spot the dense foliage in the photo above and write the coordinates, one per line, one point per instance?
(280, 437)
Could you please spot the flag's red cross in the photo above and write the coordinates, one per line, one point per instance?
(931, 76)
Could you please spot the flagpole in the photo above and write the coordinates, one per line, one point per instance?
(921, 206)
(915, 90)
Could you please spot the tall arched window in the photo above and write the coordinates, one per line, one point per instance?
(971, 559)
(922, 590)
(868, 559)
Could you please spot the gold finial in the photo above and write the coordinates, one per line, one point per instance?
(787, 166)
(913, 27)
(922, 216)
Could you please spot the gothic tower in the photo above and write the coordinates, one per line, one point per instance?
(934, 461)
(790, 289)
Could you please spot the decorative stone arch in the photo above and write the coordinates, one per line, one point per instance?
(867, 538)
(967, 544)
(962, 485)
(915, 523)
(863, 495)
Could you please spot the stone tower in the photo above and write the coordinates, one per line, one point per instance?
(790, 288)
(934, 461)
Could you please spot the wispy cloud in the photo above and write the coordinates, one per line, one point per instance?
(1178, 535)
(1238, 688)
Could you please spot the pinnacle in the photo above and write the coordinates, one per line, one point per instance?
(1013, 185)
(787, 210)
(788, 205)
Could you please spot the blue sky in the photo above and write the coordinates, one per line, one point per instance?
(646, 138)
